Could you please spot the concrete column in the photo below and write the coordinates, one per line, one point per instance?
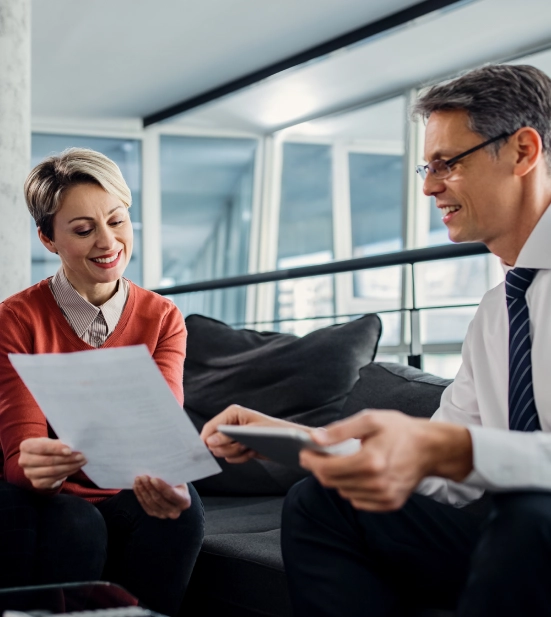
(15, 144)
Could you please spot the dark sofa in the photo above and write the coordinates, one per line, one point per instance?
(316, 379)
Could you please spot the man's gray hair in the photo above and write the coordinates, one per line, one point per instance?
(499, 98)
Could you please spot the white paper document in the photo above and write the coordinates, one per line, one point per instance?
(115, 407)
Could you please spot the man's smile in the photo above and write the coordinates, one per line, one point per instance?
(448, 212)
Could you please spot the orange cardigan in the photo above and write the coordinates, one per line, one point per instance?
(31, 322)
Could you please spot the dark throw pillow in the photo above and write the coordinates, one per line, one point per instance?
(385, 385)
(304, 379)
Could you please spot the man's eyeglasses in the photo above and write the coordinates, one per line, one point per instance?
(440, 169)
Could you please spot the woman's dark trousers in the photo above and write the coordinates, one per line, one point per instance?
(61, 539)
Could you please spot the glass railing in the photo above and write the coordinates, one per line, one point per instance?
(424, 319)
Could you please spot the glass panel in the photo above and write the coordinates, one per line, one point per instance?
(126, 153)
(375, 202)
(305, 234)
(376, 214)
(391, 323)
(446, 325)
(438, 232)
(206, 191)
(455, 281)
(386, 357)
(381, 287)
(443, 365)
(450, 282)
(305, 216)
(305, 298)
(227, 305)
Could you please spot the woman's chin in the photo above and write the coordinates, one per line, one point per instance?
(105, 277)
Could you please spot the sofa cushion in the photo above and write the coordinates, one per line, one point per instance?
(304, 379)
(239, 572)
(385, 385)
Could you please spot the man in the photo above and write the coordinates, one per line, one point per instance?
(391, 526)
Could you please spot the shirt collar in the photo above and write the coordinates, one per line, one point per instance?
(536, 252)
(112, 309)
(81, 313)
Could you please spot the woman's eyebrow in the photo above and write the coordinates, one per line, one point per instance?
(90, 218)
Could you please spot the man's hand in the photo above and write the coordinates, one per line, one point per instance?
(48, 462)
(159, 499)
(397, 453)
(223, 446)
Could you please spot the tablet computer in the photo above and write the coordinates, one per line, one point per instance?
(284, 444)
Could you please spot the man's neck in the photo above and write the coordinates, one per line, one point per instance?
(534, 203)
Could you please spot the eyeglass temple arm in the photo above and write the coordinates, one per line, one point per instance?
(482, 145)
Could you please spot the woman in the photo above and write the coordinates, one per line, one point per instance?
(146, 539)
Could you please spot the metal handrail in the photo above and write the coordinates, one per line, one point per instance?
(398, 258)
(244, 324)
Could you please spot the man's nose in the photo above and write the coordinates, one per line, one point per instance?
(432, 185)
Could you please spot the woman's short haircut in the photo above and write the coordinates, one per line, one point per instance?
(499, 99)
(50, 179)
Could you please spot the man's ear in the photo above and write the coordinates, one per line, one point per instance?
(49, 244)
(529, 150)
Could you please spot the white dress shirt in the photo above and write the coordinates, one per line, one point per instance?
(93, 324)
(504, 460)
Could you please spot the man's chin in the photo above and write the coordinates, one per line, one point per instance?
(459, 235)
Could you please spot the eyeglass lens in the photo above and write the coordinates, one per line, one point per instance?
(438, 168)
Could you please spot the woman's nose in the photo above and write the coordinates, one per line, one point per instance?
(106, 237)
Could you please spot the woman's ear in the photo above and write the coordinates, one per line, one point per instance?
(49, 244)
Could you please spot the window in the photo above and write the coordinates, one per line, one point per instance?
(126, 153)
(342, 197)
(305, 234)
(206, 193)
(374, 146)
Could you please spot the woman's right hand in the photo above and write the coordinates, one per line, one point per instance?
(223, 446)
(48, 462)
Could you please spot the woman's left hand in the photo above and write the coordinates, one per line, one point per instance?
(160, 499)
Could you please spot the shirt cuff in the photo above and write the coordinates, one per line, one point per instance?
(510, 460)
(456, 494)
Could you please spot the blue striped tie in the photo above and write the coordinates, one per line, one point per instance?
(523, 415)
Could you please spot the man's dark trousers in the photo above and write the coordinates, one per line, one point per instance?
(492, 562)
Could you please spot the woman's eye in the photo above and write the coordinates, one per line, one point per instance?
(115, 223)
(83, 232)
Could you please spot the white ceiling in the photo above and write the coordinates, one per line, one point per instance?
(381, 125)
(124, 59)
(129, 58)
(435, 46)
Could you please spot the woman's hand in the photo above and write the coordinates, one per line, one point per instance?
(223, 446)
(160, 499)
(48, 462)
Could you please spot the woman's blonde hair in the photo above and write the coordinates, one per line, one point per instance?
(48, 181)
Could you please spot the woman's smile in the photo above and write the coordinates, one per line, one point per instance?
(107, 261)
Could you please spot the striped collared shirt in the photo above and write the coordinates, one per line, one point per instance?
(92, 324)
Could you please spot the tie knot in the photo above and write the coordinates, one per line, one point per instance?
(517, 281)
